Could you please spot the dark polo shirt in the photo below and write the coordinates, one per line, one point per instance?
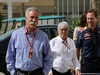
(89, 42)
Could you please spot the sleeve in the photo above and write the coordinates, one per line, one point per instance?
(47, 58)
(10, 60)
(74, 58)
(78, 39)
(51, 45)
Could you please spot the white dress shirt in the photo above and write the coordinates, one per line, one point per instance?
(63, 57)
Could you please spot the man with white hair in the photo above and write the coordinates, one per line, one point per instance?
(63, 49)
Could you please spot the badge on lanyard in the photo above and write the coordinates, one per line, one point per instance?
(30, 53)
(66, 44)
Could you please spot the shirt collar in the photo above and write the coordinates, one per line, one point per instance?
(95, 30)
(61, 39)
(26, 31)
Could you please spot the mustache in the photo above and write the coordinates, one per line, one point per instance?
(33, 23)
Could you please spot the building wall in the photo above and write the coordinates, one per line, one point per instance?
(51, 7)
(46, 7)
(72, 8)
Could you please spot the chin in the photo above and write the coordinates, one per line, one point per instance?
(33, 24)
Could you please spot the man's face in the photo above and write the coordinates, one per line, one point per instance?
(91, 20)
(63, 32)
(32, 19)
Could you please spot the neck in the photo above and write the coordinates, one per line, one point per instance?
(30, 30)
(64, 39)
(92, 29)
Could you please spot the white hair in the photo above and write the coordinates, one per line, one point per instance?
(63, 25)
(31, 9)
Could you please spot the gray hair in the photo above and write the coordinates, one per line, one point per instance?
(31, 9)
(63, 25)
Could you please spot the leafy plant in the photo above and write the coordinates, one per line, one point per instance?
(73, 22)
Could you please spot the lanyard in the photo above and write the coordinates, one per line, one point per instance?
(32, 38)
(66, 44)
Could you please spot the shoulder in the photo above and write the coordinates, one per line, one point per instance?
(86, 30)
(41, 33)
(18, 31)
(54, 40)
(81, 34)
(77, 28)
(69, 39)
(71, 43)
(98, 26)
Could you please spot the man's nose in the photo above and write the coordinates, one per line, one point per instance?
(34, 19)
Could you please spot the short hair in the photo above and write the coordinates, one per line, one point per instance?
(63, 25)
(30, 9)
(94, 11)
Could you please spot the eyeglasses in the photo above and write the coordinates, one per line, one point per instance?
(63, 29)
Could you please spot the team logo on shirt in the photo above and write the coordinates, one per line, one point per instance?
(87, 36)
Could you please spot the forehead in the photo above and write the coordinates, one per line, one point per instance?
(91, 14)
(63, 26)
(33, 13)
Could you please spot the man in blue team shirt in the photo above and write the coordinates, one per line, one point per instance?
(89, 42)
(29, 51)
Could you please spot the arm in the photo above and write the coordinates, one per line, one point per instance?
(47, 57)
(52, 44)
(10, 57)
(78, 53)
(76, 65)
(78, 45)
(75, 60)
(75, 33)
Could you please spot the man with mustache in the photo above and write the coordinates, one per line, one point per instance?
(89, 42)
(28, 53)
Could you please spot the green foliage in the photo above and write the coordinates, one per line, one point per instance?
(73, 22)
